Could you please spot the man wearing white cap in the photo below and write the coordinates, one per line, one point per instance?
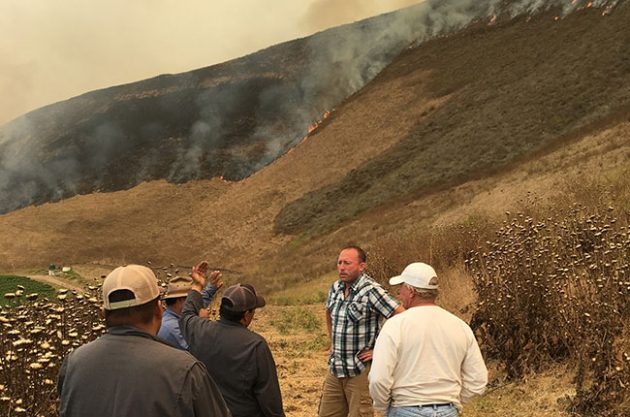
(426, 360)
(129, 371)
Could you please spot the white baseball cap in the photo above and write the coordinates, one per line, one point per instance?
(140, 280)
(417, 274)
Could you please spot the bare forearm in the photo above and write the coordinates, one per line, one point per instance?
(329, 325)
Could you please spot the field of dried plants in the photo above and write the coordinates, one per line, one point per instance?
(545, 289)
(550, 286)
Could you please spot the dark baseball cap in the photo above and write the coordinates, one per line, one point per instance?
(243, 297)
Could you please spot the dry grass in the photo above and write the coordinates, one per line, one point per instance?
(300, 352)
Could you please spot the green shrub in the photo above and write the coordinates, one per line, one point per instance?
(296, 318)
(11, 294)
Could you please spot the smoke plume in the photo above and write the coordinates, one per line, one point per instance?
(228, 120)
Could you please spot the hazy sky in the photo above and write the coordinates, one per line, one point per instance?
(51, 50)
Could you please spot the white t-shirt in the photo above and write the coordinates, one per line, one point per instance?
(426, 355)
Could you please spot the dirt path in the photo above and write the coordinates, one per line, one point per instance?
(58, 282)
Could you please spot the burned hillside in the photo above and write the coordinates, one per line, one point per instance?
(227, 120)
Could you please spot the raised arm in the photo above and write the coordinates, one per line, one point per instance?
(214, 283)
(190, 324)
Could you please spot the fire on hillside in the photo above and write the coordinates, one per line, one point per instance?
(312, 128)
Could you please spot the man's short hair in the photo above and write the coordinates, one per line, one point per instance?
(360, 252)
(142, 314)
(171, 301)
(423, 293)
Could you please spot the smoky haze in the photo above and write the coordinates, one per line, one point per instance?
(227, 120)
(50, 51)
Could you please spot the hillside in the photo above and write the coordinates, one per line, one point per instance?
(228, 120)
(466, 122)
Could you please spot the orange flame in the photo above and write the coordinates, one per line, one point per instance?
(316, 124)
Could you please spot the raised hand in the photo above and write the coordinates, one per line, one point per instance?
(198, 275)
(215, 279)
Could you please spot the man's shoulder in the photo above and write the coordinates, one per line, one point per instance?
(337, 286)
(254, 337)
(397, 320)
(366, 285)
(88, 348)
(169, 319)
(150, 347)
(169, 356)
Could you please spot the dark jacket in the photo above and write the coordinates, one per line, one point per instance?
(238, 359)
(128, 372)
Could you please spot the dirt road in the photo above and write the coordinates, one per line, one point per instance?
(58, 282)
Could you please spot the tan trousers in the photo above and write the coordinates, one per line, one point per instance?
(346, 397)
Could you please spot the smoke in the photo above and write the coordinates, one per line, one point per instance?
(58, 49)
(187, 138)
(330, 13)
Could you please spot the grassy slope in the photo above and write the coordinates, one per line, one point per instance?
(503, 103)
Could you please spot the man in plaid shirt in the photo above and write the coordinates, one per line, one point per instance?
(355, 308)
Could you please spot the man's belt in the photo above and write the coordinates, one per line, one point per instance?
(435, 405)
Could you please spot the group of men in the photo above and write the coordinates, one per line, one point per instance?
(176, 362)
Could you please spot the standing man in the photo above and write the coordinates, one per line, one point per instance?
(174, 298)
(130, 372)
(355, 307)
(426, 360)
(237, 358)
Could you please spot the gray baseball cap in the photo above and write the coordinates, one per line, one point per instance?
(243, 297)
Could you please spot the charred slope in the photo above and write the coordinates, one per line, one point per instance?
(226, 120)
(511, 90)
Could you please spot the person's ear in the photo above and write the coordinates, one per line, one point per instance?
(101, 311)
(158, 311)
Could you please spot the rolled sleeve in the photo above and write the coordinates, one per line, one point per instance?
(208, 294)
(382, 302)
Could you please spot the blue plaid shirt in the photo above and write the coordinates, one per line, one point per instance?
(356, 322)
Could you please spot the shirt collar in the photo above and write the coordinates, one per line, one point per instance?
(229, 322)
(354, 287)
(170, 312)
(129, 331)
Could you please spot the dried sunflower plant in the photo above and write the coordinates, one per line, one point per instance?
(35, 335)
(557, 289)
